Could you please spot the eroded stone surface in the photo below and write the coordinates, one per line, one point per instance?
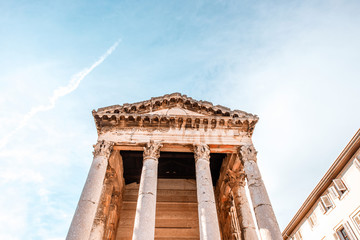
(265, 216)
(208, 220)
(144, 226)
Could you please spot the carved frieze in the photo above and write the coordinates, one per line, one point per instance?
(247, 152)
(202, 151)
(152, 150)
(103, 148)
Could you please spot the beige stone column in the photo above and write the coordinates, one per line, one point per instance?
(85, 212)
(264, 213)
(237, 184)
(208, 219)
(98, 228)
(144, 226)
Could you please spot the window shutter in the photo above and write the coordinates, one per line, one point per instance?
(334, 192)
(321, 206)
(357, 162)
(312, 224)
(349, 231)
(313, 218)
(339, 184)
(326, 201)
(357, 219)
(298, 235)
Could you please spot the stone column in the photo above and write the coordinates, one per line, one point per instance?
(237, 183)
(264, 213)
(144, 226)
(98, 228)
(208, 219)
(85, 212)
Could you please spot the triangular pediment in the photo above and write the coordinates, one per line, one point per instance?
(174, 104)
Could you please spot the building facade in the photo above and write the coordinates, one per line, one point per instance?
(174, 168)
(332, 210)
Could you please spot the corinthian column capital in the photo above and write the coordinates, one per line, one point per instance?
(247, 152)
(152, 150)
(202, 151)
(234, 179)
(103, 148)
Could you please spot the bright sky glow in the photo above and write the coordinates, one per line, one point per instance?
(293, 63)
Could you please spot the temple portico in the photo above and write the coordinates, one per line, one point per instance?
(174, 168)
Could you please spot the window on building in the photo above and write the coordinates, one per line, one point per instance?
(357, 162)
(342, 233)
(326, 203)
(298, 235)
(356, 219)
(334, 192)
(312, 220)
(339, 186)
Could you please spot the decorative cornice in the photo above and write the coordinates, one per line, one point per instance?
(174, 100)
(152, 150)
(247, 153)
(103, 148)
(202, 151)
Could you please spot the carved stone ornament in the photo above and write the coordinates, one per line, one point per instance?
(202, 151)
(247, 152)
(234, 178)
(103, 148)
(152, 150)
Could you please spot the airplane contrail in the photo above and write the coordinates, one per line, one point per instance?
(58, 93)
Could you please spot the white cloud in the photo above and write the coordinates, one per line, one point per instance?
(58, 93)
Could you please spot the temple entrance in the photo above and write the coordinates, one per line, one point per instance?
(176, 203)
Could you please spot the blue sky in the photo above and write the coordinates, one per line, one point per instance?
(293, 63)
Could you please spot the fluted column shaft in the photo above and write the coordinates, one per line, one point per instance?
(144, 226)
(264, 213)
(208, 219)
(85, 212)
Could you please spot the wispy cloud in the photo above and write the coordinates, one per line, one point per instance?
(58, 93)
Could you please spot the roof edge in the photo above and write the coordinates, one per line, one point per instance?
(344, 157)
(151, 103)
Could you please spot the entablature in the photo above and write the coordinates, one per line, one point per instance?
(151, 122)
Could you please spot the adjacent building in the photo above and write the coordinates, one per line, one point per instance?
(174, 168)
(332, 210)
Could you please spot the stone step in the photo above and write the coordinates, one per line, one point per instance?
(161, 192)
(162, 233)
(163, 214)
(176, 211)
(166, 198)
(181, 206)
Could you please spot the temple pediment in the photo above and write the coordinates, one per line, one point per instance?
(174, 103)
(173, 111)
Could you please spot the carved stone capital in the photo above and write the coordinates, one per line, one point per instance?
(247, 152)
(234, 179)
(152, 150)
(202, 151)
(103, 148)
(110, 174)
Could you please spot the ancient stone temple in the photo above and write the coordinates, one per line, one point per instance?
(174, 168)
